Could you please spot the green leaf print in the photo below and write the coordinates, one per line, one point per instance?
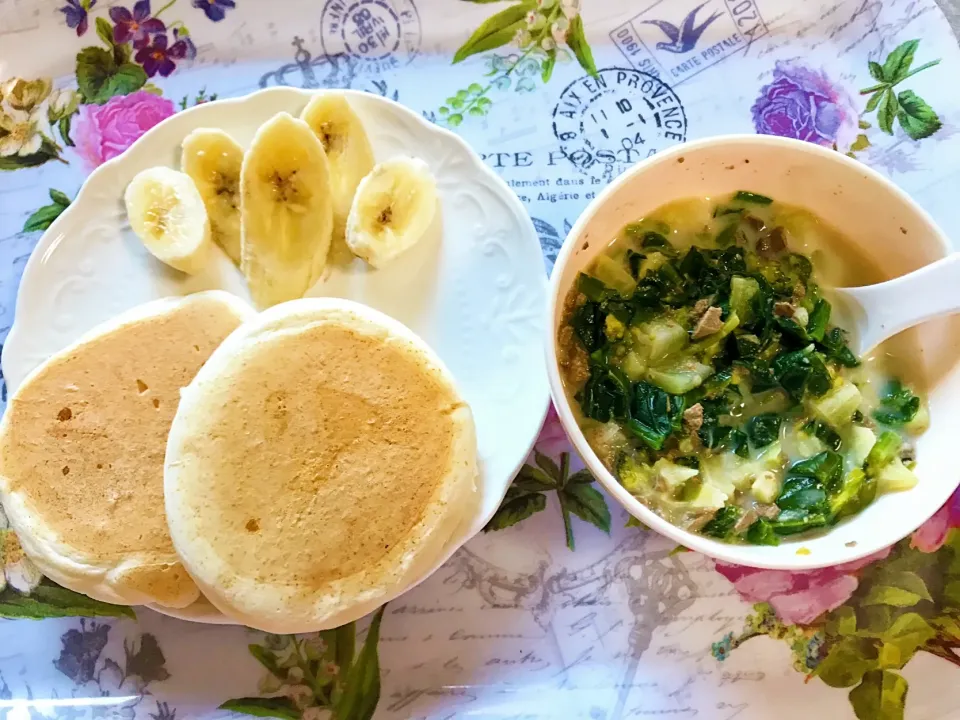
(263, 707)
(514, 508)
(898, 62)
(575, 493)
(586, 502)
(100, 77)
(912, 112)
(105, 31)
(916, 117)
(362, 690)
(43, 217)
(887, 111)
(880, 696)
(847, 662)
(48, 151)
(577, 41)
(909, 633)
(496, 31)
(48, 600)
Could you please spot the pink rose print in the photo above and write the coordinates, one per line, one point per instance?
(798, 598)
(803, 104)
(930, 536)
(552, 440)
(105, 131)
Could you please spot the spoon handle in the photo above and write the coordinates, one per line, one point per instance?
(909, 300)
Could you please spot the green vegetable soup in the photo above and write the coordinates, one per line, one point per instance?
(711, 381)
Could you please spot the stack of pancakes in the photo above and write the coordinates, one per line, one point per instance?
(299, 467)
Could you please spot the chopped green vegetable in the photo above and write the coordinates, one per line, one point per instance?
(661, 338)
(898, 406)
(654, 415)
(826, 468)
(816, 326)
(852, 496)
(763, 429)
(751, 197)
(606, 395)
(588, 322)
(613, 274)
(761, 532)
(836, 408)
(672, 474)
(680, 377)
(634, 476)
(653, 240)
(895, 477)
(824, 433)
(835, 346)
(883, 452)
(742, 292)
(594, 289)
(721, 525)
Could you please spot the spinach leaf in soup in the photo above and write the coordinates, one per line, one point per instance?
(763, 429)
(606, 395)
(654, 415)
(588, 321)
(752, 197)
(898, 406)
(723, 522)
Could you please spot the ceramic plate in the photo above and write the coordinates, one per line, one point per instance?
(475, 290)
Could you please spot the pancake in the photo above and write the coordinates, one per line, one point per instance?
(82, 447)
(319, 464)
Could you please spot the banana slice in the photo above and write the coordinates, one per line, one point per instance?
(286, 211)
(212, 158)
(330, 116)
(392, 210)
(167, 213)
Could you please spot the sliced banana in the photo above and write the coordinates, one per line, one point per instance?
(392, 210)
(348, 149)
(167, 213)
(212, 158)
(286, 211)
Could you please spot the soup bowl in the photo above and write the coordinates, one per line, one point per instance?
(881, 222)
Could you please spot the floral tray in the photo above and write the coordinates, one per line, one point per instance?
(560, 609)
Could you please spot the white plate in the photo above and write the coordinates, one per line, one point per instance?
(476, 291)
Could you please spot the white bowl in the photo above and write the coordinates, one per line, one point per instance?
(877, 217)
(474, 290)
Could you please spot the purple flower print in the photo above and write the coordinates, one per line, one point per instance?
(158, 58)
(216, 10)
(801, 103)
(75, 12)
(181, 35)
(137, 26)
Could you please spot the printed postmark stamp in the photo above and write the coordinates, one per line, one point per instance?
(608, 122)
(381, 34)
(681, 38)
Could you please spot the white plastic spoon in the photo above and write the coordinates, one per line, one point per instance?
(874, 313)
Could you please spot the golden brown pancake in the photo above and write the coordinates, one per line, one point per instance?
(82, 447)
(318, 464)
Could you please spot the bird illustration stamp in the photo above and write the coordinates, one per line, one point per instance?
(382, 34)
(608, 121)
(678, 39)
